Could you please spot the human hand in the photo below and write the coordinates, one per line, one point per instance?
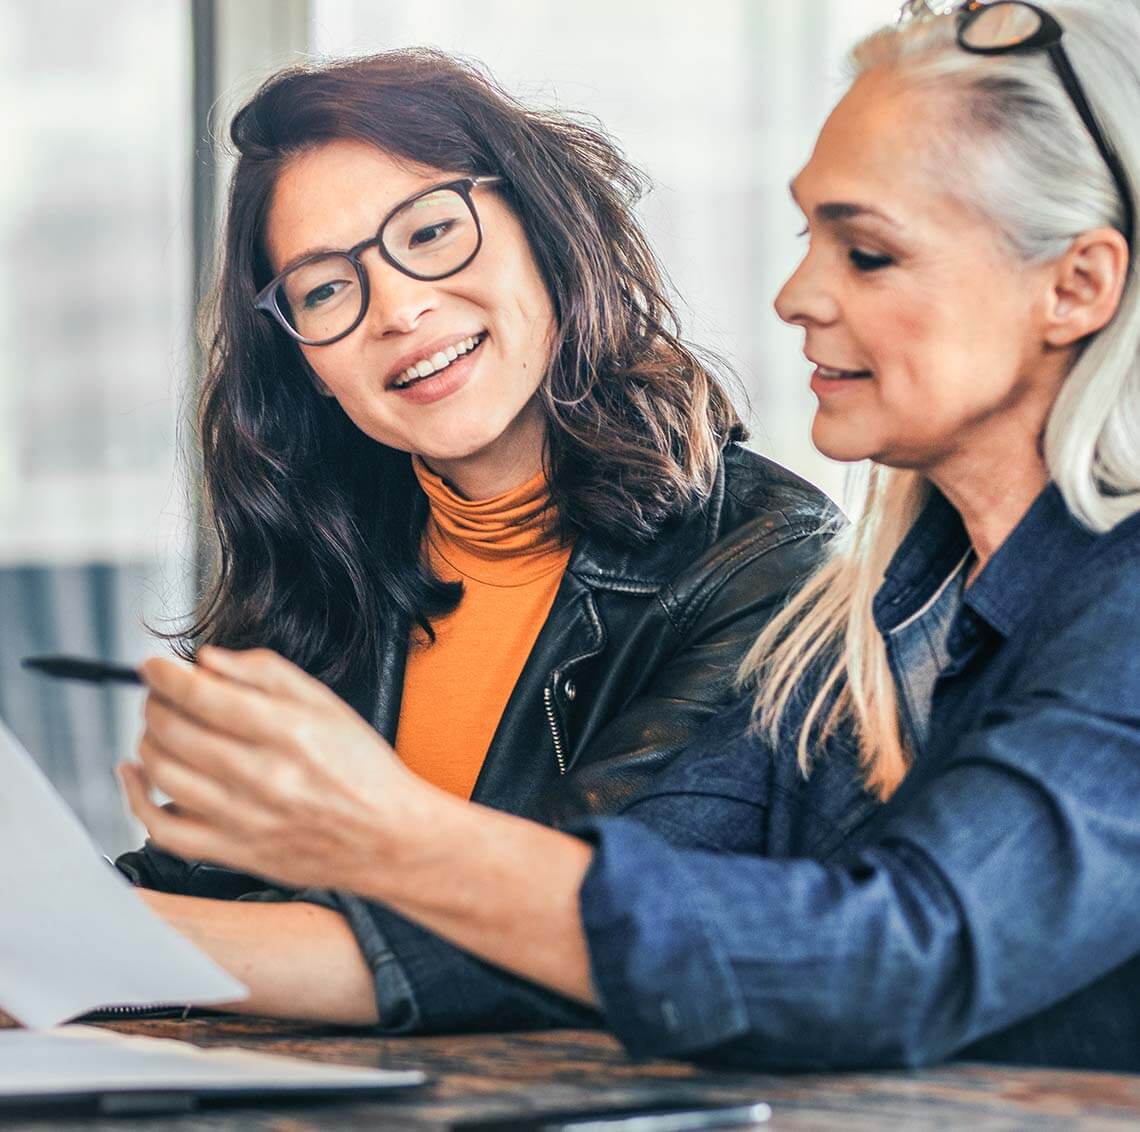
(270, 772)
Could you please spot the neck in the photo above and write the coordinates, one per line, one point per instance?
(992, 496)
(513, 459)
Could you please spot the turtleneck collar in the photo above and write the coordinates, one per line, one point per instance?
(510, 538)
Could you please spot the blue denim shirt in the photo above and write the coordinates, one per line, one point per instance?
(991, 909)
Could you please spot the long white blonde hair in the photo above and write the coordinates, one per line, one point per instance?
(1025, 161)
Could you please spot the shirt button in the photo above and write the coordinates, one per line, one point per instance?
(569, 691)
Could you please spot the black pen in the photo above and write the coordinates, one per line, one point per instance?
(82, 668)
(674, 1116)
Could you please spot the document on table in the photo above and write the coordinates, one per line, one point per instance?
(76, 936)
(117, 1073)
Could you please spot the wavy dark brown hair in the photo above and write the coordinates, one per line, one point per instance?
(318, 526)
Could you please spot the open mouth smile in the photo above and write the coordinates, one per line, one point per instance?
(438, 362)
(828, 373)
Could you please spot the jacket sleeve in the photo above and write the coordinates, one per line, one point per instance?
(1005, 880)
(715, 620)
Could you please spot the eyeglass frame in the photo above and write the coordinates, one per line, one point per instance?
(266, 299)
(1048, 38)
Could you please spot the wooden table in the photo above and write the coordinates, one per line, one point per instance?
(514, 1073)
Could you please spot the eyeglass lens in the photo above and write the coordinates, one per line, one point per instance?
(430, 237)
(1003, 25)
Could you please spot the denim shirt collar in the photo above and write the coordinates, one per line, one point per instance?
(1040, 547)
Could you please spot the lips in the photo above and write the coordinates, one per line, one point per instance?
(432, 360)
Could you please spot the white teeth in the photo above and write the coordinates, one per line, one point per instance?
(439, 360)
(827, 371)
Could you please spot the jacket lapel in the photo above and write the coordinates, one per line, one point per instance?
(533, 735)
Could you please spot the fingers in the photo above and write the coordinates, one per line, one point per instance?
(192, 792)
(239, 693)
(174, 735)
(211, 700)
(173, 831)
(265, 670)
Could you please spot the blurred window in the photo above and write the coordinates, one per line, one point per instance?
(95, 346)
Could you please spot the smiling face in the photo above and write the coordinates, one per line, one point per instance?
(481, 338)
(925, 330)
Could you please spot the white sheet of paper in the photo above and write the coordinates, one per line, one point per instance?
(81, 1059)
(74, 935)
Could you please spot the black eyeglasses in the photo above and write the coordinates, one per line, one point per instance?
(323, 297)
(1004, 27)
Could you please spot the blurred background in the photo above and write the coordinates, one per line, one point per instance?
(110, 201)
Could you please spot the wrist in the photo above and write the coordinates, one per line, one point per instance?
(405, 833)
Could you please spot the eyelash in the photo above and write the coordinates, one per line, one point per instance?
(866, 262)
(862, 261)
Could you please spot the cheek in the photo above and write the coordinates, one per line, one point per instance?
(510, 284)
(329, 368)
(529, 328)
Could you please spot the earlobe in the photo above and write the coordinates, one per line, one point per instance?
(1086, 285)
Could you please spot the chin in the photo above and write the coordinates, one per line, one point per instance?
(841, 442)
(459, 446)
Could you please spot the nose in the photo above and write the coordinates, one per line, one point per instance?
(807, 299)
(396, 302)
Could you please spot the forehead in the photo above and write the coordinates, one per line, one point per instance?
(335, 195)
(884, 143)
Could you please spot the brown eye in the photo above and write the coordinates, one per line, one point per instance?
(425, 235)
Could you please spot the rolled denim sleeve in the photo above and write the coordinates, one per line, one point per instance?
(425, 985)
(999, 883)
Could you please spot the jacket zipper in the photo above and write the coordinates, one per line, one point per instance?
(548, 702)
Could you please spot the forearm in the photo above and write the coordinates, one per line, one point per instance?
(298, 960)
(503, 888)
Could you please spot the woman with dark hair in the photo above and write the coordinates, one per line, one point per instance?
(461, 468)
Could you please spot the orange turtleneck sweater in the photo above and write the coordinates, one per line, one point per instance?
(510, 562)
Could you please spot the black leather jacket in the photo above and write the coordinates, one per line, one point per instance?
(640, 648)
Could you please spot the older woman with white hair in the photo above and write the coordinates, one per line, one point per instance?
(970, 649)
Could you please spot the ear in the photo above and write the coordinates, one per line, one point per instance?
(1085, 286)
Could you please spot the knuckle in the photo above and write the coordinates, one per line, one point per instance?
(261, 659)
(196, 694)
(146, 749)
(152, 711)
(288, 783)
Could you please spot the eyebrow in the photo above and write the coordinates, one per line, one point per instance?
(416, 200)
(836, 210)
(306, 255)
